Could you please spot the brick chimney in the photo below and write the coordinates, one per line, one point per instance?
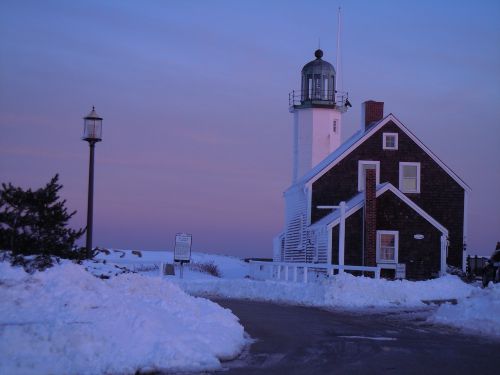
(371, 111)
(370, 218)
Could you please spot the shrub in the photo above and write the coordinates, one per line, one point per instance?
(35, 222)
(121, 252)
(146, 267)
(208, 268)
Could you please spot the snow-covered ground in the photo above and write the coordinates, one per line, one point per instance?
(66, 321)
(477, 310)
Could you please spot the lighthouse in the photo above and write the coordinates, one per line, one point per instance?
(317, 115)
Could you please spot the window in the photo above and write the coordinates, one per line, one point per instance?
(387, 246)
(363, 165)
(317, 86)
(335, 126)
(390, 141)
(409, 177)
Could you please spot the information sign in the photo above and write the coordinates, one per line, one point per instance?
(401, 271)
(182, 250)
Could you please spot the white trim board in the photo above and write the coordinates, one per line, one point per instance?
(362, 176)
(465, 230)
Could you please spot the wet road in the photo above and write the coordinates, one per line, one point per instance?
(300, 340)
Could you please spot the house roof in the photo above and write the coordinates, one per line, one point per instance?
(357, 139)
(355, 203)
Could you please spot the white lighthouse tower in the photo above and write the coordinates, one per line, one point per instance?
(317, 115)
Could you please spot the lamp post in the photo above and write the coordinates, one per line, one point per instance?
(92, 133)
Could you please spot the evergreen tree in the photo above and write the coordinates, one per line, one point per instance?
(35, 222)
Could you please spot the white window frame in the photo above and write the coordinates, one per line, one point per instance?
(361, 177)
(396, 246)
(401, 185)
(384, 141)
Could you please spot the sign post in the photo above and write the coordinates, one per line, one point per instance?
(182, 250)
(401, 271)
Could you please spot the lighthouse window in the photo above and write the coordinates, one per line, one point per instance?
(325, 88)
(317, 86)
(335, 126)
(390, 141)
(310, 87)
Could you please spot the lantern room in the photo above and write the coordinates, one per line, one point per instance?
(318, 80)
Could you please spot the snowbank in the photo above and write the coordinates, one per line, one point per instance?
(341, 291)
(477, 309)
(66, 321)
(480, 312)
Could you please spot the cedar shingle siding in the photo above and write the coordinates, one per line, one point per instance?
(440, 196)
(422, 257)
(353, 240)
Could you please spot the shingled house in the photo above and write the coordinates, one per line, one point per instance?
(381, 198)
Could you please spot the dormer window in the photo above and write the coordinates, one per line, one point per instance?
(390, 141)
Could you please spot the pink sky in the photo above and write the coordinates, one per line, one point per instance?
(197, 134)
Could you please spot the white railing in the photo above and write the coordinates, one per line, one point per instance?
(284, 271)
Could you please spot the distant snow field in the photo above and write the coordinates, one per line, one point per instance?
(147, 262)
(66, 321)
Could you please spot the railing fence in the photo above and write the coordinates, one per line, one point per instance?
(301, 272)
(476, 265)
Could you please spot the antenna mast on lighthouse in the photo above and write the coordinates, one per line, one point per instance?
(339, 83)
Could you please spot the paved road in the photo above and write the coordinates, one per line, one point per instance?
(299, 340)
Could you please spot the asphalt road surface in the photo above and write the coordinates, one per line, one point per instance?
(300, 340)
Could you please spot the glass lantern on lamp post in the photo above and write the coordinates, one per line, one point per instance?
(92, 133)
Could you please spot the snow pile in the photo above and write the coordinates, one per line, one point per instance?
(480, 312)
(350, 291)
(66, 321)
(342, 291)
